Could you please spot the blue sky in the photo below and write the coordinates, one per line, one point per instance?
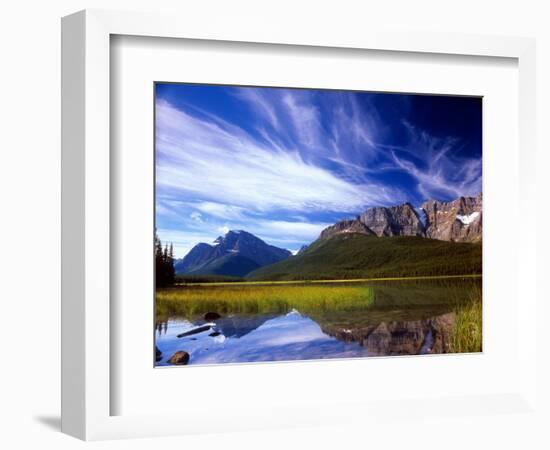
(285, 163)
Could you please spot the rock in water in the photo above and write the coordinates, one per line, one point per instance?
(196, 330)
(158, 354)
(180, 358)
(211, 316)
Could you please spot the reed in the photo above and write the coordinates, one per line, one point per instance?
(190, 301)
(467, 332)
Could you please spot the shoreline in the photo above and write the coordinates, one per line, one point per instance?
(354, 280)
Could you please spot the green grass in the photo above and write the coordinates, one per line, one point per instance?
(241, 281)
(467, 332)
(191, 301)
(353, 256)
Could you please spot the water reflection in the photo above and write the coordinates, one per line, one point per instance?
(391, 337)
(287, 337)
(405, 319)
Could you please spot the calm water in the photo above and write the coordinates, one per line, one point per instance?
(405, 318)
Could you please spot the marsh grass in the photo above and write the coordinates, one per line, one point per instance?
(209, 281)
(191, 301)
(467, 333)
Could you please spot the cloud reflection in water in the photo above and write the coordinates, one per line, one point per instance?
(282, 338)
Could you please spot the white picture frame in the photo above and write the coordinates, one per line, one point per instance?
(86, 219)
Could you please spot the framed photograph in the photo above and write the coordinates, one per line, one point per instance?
(252, 217)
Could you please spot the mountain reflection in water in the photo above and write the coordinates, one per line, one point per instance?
(283, 338)
(294, 336)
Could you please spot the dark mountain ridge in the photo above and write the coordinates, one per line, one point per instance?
(235, 254)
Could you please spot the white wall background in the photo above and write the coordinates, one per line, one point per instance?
(29, 222)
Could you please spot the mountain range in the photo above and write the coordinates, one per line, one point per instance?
(440, 239)
(459, 220)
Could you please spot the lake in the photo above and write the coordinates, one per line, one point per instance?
(237, 323)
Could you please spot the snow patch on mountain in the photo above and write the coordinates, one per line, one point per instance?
(468, 219)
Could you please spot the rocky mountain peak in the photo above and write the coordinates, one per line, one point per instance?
(346, 226)
(235, 243)
(458, 220)
(400, 220)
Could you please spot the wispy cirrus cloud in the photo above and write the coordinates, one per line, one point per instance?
(442, 172)
(204, 161)
(305, 117)
(260, 104)
(220, 210)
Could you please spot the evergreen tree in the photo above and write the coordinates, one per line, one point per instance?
(171, 268)
(164, 263)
